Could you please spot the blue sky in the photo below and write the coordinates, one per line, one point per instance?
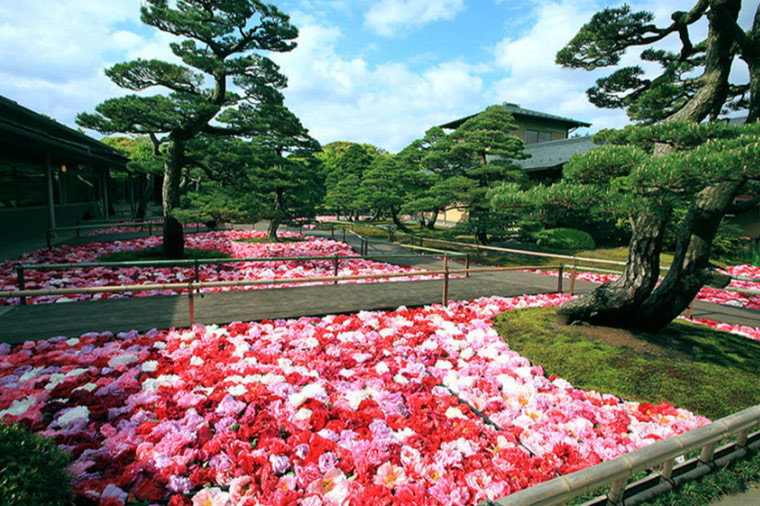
(377, 71)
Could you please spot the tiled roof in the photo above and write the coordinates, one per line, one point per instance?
(25, 124)
(518, 112)
(553, 153)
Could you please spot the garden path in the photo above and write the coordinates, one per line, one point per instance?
(20, 323)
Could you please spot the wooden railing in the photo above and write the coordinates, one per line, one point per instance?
(196, 286)
(195, 263)
(148, 226)
(662, 454)
(574, 266)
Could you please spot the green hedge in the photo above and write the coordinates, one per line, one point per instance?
(564, 238)
(32, 469)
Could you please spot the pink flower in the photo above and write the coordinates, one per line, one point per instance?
(390, 476)
(212, 496)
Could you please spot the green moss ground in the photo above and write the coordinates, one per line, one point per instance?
(709, 372)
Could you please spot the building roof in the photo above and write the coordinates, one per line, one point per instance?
(545, 155)
(520, 112)
(24, 128)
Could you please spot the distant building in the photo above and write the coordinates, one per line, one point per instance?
(533, 126)
(50, 175)
(547, 140)
(547, 158)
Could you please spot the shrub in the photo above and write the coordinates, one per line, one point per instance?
(564, 238)
(32, 469)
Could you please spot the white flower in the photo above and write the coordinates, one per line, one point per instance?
(453, 412)
(79, 412)
(150, 365)
(400, 379)
(308, 392)
(443, 364)
(18, 407)
(382, 368)
(197, 361)
(303, 414)
(237, 390)
(73, 341)
(126, 358)
(151, 384)
(31, 374)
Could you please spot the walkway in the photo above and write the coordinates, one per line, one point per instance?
(20, 323)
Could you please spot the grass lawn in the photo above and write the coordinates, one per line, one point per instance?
(266, 240)
(709, 372)
(157, 253)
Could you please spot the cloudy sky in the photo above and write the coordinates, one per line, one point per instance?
(377, 71)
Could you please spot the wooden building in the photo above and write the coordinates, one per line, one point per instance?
(50, 175)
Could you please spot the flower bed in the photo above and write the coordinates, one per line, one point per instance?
(223, 241)
(708, 294)
(368, 408)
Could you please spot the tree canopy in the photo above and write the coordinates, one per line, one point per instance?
(649, 171)
(220, 89)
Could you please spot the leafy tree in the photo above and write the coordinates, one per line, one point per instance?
(386, 186)
(675, 93)
(705, 168)
(144, 165)
(423, 162)
(272, 176)
(675, 150)
(479, 154)
(220, 44)
(344, 179)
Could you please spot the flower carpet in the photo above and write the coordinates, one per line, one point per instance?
(412, 406)
(708, 294)
(222, 241)
(121, 229)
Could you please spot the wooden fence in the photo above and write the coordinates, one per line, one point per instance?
(661, 455)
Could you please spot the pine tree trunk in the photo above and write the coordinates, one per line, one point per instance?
(276, 220)
(144, 196)
(614, 304)
(690, 269)
(274, 224)
(431, 222)
(174, 238)
(398, 223)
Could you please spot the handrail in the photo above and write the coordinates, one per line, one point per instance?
(616, 471)
(191, 262)
(199, 285)
(558, 256)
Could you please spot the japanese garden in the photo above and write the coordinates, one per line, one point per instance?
(201, 303)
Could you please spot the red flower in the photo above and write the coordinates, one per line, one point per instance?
(147, 491)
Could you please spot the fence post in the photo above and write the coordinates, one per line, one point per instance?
(20, 279)
(559, 280)
(445, 280)
(197, 273)
(615, 495)
(191, 304)
(690, 309)
(467, 265)
(335, 270)
(150, 229)
(572, 279)
(197, 228)
(344, 234)
(332, 233)
(47, 238)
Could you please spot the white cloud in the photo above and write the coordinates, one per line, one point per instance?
(386, 17)
(388, 105)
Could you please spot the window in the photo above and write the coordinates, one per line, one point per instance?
(536, 136)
